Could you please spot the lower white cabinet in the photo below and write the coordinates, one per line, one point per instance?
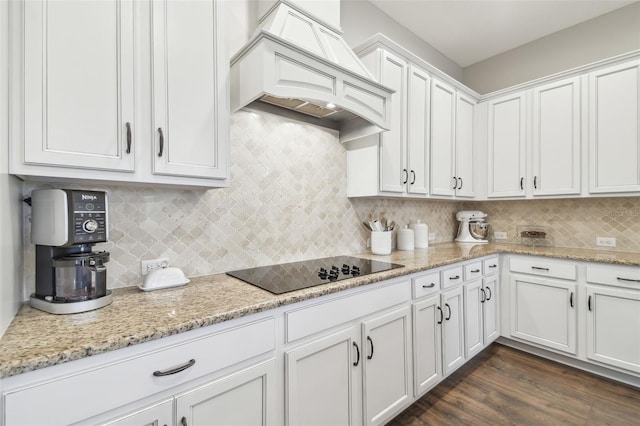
(160, 413)
(491, 309)
(427, 344)
(452, 330)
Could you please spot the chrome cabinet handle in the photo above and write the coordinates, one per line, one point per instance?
(128, 137)
(413, 177)
(159, 373)
(370, 343)
(631, 280)
(355, 364)
(161, 142)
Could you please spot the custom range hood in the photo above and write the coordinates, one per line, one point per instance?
(296, 66)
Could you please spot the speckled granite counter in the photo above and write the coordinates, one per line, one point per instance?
(37, 340)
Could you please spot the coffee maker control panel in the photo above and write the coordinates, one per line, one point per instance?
(89, 217)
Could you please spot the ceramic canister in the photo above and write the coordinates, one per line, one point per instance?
(420, 234)
(405, 238)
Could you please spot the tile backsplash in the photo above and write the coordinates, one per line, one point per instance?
(287, 203)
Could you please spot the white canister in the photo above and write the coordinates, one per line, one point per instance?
(381, 242)
(405, 238)
(420, 234)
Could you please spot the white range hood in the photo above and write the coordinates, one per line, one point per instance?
(299, 67)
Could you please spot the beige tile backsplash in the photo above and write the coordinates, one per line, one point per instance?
(287, 202)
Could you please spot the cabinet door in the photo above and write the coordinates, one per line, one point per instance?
(78, 84)
(418, 130)
(190, 119)
(613, 327)
(543, 312)
(507, 146)
(464, 145)
(556, 138)
(491, 309)
(614, 138)
(427, 344)
(393, 170)
(443, 103)
(155, 415)
(474, 298)
(243, 398)
(386, 347)
(320, 380)
(453, 330)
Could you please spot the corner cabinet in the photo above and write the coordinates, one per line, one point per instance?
(110, 94)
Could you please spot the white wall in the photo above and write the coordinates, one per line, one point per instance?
(361, 20)
(10, 200)
(609, 35)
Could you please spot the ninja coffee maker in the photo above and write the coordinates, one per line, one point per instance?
(65, 225)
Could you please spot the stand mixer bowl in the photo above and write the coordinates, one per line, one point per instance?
(479, 230)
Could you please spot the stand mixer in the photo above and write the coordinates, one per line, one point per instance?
(472, 228)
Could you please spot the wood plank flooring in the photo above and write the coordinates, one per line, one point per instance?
(504, 386)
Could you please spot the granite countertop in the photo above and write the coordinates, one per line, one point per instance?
(36, 340)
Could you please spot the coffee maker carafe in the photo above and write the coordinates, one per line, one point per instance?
(65, 225)
(472, 228)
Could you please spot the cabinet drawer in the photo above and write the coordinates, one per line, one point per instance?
(122, 382)
(543, 267)
(490, 265)
(325, 315)
(472, 270)
(426, 284)
(451, 277)
(619, 276)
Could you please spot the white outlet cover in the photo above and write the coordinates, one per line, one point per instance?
(149, 265)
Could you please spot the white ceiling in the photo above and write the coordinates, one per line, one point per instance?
(469, 31)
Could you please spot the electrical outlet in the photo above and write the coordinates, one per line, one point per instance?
(150, 265)
(605, 241)
(432, 236)
(500, 235)
(368, 242)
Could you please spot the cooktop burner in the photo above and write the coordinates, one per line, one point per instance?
(287, 277)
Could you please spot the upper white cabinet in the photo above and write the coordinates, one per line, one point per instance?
(78, 77)
(614, 138)
(465, 149)
(189, 94)
(418, 115)
(120, 91)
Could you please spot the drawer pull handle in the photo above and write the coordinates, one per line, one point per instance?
(631, 280)
(159, 373)
(475, 271)
(441, 315)
(449, 308)
(455, 277)
(493, 266)
(370, 343)
(571, 300)
(484, 296)
(489, 290)
(539, 268)
(432, 285)
(355, 364)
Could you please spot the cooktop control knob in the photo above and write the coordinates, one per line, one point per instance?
(345, 269)
(90, 226)
(322, 274)
(355, 271)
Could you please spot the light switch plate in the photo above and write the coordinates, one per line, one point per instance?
(500, 235)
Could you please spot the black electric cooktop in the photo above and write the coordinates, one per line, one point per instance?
(287, 277)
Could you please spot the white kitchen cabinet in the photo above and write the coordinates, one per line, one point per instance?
(322, 378)
(157, 414)
(78, 83)
(556, 139)
(443, 146)
(386, 360)
(189, 92)
(465, 107)
(614, 137)
(474, 298)
(418, 115)
(246, 397)
(452, 306)
(507, 146)
(427, 344)
(491, 309)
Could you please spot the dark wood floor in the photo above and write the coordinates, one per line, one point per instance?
(504, 386)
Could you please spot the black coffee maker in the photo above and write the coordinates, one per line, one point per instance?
(65, 225)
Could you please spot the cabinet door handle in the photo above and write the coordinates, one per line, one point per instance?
(405, 176)
(128, 137)
(489, 290)
(183, 421)
(571, 299)
(449, 309)
(441, 315)
(355, 364)
(460, 186)
(484, 296)
(539, 268)
(161, 142)
(522, 183)
(432, 285)
(455, 277)
(631, 280)
(159, 373)
(589, 302)
(413, 177)
(455, 182)
(535, 182)
(371, 344)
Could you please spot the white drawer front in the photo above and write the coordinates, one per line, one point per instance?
(472, 270)
(83, 395)
(543, 267)
(451, 277)
(325, 315)
(619, 276)
(426, 284)
(491, 265)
